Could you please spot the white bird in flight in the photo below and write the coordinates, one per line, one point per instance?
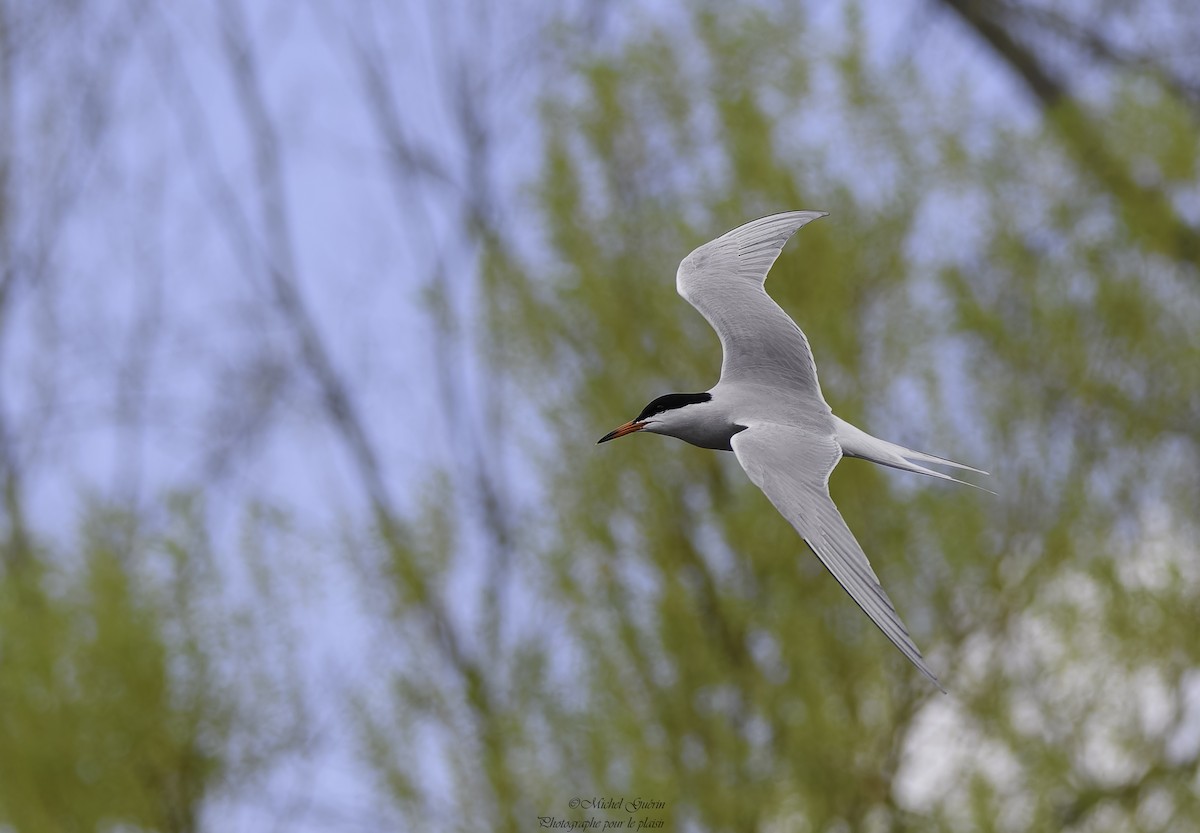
(767, 409)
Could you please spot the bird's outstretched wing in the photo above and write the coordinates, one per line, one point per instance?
(792, 468)
(723, 279)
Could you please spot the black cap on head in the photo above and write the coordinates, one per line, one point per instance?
(670, 402)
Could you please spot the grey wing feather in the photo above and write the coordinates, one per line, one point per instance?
(792, 467)
(723, 279)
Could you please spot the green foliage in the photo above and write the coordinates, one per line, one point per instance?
(114, 713)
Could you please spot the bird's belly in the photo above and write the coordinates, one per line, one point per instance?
(716, 438)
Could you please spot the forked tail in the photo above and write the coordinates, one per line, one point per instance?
(856, 443)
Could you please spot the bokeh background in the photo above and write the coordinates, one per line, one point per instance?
(311, 312)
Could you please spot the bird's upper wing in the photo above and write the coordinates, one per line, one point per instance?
(724, 279)
(792, 468)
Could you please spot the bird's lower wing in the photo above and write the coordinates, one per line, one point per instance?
(792, 468)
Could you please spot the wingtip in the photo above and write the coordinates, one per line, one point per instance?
(929, 675)
(972, 485)
(809, 213)
(923, 667)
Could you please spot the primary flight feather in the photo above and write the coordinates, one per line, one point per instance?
(767, 408)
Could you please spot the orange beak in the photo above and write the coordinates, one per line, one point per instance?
(627, 428)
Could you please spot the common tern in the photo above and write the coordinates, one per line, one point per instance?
(767, 408)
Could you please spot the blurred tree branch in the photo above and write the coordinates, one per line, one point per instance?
(76, 120)
(1096, 44)
(340, 409)
(279, 260)
(1145, 208)
(474, 435)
